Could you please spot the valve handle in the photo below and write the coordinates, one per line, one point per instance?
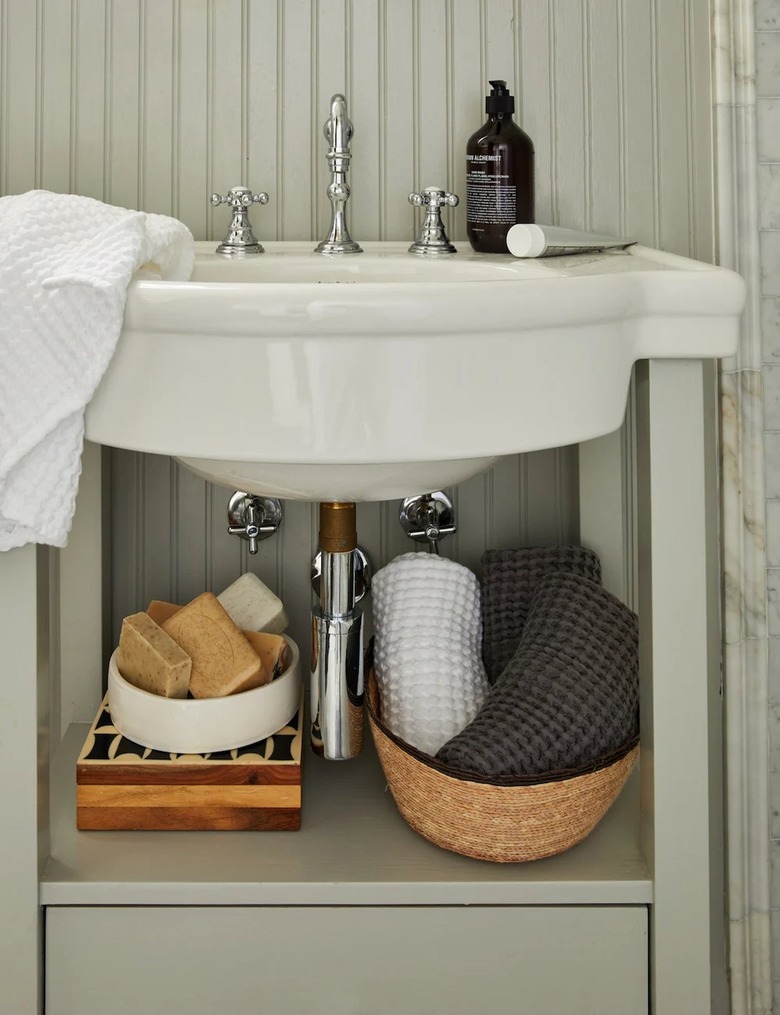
(432, 240)
(435, 197)
(428, 517)
(253, 518)
(239, 197)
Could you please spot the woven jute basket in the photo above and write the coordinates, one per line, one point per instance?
(508, 820)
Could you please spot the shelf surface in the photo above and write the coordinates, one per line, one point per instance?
(353, 849)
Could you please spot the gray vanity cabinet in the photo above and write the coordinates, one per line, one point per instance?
(355, 912)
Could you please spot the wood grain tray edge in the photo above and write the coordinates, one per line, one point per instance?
(250, 789)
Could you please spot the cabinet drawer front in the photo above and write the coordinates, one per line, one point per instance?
(346, 961)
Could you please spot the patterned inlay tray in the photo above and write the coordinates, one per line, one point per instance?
(123, 785)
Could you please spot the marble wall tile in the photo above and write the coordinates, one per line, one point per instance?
(770, 263)
(768, 129)
(769, 195)
(772, 465)
(755, 966)
(773, 691)
(770, 328)
(734, 78)
(771, 397)
(768, 63)
(744, 569)
(773, 602)
(747, 732)
(737, 203)
(774, 831)
(767, 15)
(774, 859)
(773, 535)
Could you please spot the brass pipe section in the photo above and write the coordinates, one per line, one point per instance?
(338, 526)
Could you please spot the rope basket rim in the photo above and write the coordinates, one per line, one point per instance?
(498, 823)
(373, 706)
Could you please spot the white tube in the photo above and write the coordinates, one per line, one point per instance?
(527, 240)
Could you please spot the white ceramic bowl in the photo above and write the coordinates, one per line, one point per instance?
(204, 725)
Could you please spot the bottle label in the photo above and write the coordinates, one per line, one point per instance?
(490, 198)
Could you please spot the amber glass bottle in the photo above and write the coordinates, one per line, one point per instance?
(499, 175)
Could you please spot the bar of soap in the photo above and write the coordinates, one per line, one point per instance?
(252, 605)
(160, 611)
(272, 649)
(151, 659)
(223, 661)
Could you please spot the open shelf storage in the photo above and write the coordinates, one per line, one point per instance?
(353, 849)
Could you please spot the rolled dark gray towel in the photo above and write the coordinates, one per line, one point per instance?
(509, 580)
(568, 696)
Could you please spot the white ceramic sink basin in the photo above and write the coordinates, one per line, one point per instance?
(382, 374)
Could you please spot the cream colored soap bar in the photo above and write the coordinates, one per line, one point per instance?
(160, 611)
(223, 661)
(151, 659)
(272, 649)
(252, 605)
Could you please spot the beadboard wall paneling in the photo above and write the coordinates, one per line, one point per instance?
(157, 103)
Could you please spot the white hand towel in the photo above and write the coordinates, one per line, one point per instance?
(65, 265)
(428, 648)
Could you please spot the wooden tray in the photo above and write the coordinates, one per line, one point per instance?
(122, 785)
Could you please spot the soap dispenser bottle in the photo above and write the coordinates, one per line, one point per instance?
(499, 175)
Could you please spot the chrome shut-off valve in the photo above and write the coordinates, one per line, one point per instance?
(428, 517)
(253, 518)
(432, 239)
(239, 240)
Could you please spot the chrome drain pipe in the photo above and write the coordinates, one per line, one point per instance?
(340, 576)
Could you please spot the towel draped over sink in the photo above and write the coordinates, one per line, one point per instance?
(65, 264)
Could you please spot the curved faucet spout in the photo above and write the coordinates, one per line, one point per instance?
(338, 130)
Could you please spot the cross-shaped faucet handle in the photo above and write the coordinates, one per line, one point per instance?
(432, 239)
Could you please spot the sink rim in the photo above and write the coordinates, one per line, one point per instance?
(493, 268)
(378, 258)
(304, 375)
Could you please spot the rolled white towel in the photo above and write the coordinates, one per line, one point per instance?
(428, 648)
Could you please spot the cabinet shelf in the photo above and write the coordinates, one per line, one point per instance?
(353, 849)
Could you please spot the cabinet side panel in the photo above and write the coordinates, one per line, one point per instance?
(24, 787)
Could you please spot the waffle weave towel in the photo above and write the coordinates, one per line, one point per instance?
(509, 581)
(427, 648)
(65, 264)
(568, 696)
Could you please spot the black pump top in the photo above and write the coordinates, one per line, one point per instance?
(499, 100)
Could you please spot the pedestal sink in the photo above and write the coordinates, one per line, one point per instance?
(383, 375)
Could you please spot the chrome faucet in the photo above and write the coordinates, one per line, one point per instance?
(338, 130)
